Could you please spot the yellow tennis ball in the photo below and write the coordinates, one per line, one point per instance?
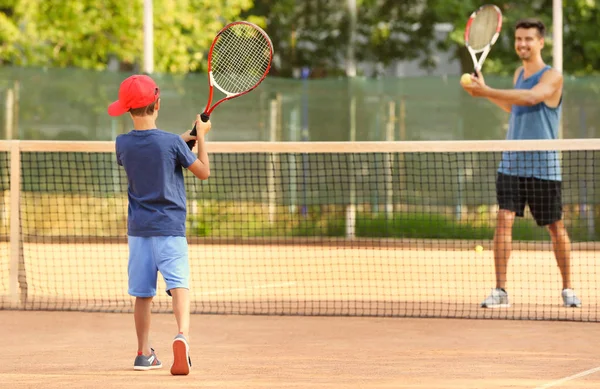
(465, 79)
(479, 248)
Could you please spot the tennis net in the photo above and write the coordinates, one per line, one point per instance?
(292, 228)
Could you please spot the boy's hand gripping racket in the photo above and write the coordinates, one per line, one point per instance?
(483, 29)
(239, 59)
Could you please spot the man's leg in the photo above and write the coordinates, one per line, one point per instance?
(546, 207)
(561, 244)
(511, 201)
(503, 245)
(502, 248)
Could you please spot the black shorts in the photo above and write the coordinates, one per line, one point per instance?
(542, 196)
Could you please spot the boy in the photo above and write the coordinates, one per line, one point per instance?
(153, 160)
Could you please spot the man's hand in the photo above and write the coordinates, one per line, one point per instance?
(477, 87)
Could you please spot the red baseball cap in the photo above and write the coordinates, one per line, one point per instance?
(136, 91)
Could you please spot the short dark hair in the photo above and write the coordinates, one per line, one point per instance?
(532, 23)
(144, 111)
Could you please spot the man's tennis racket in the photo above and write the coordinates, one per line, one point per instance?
(239, 59)
(483, 29)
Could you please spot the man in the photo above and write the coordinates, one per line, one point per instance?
(154, 160)
(531, 178)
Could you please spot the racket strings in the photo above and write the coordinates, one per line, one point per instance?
(483, 28)
(240, 58)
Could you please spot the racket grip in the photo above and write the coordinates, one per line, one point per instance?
(204, 117)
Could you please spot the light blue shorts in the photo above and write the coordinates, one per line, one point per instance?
(150, 255)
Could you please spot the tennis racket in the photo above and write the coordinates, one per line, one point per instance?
(238, 61)
(483, 29)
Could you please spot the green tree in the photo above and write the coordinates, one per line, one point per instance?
(88, 33)
(315, 33)
(9, 32)
(581, 50)
(394, 30)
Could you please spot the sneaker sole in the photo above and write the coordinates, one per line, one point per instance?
(572, 305)
(146, 368)
(180, 358)
(495, 306)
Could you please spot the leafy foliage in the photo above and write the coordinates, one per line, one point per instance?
(314, 33)
(88, 33)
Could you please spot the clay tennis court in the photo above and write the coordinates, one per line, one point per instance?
(96, 350)
(339, 277)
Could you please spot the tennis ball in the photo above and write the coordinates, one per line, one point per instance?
(465, 79)
(479, 248)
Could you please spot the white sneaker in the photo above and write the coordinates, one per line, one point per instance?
(497, 299)
(570, 299)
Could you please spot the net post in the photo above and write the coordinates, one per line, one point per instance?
(388, 163)
(15, 223)
(294, 131)
(272, 160)
(148, 37)
(9, 111)
(351, 207)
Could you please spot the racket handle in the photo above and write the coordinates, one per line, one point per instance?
(204, 117)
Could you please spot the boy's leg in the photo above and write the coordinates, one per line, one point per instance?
(142, 272)
(181, 309)
(141, 315)
(146, 358)
(173, 264)
(174, 267)
(142, 284)
(181, 348)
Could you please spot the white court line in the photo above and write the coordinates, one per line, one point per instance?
(259, 286)
(573, 377)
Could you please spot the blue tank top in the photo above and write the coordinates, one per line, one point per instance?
(536, 122)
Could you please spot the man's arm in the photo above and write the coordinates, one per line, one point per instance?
(549, 83)
(480, 81)
(501, 103)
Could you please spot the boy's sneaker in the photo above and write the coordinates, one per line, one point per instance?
(497, 299)
(143, 362)
(181, 356)
(570, 299)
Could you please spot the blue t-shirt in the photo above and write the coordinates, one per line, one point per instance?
(536, 122)
(154, 162)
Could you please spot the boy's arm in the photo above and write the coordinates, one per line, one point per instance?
(119, 162)
(200, 167)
